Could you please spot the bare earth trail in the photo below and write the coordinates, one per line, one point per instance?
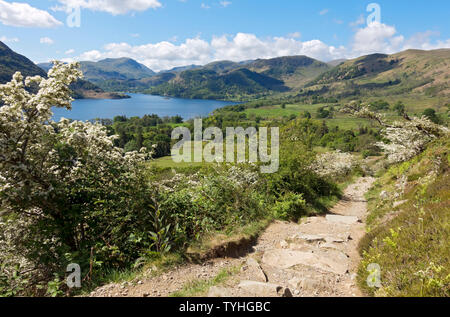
(317, 257)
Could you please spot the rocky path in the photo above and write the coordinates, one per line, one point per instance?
(317, 257)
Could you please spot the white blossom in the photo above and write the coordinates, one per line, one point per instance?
(334, 163)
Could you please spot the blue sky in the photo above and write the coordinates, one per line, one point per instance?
(168, 33)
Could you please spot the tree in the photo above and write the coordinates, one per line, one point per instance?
(65, 185)
(431, 114)
(379, 105)
(399, 107)
(405, 139)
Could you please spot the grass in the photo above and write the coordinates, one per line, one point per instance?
(410, 241)
(275, 112)
(168, 162)
(278, 112)
(200, 287)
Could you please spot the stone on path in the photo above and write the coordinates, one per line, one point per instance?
(259, 289)
(348, 220)
(311, 237)
(217, 291)
(256, 270)
(333, 261)
(340, 238)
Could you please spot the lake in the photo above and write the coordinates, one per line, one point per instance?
(138, 105)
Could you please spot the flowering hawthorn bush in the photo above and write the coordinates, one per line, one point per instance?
(73, 192)
(405, 139)
(334, 164)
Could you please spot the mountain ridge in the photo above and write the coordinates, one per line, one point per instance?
(11, 62)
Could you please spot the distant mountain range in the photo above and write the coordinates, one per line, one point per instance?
(217, 80)
(11, 62)
(244, 80)
(412, 71)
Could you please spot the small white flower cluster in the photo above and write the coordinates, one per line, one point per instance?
(236, 175)
(242, 176)
(334, 164)
(178, 181)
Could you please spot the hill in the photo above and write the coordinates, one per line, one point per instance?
(242, 80)
(295, 71)
(11, 62)
(202, 83)
(115, 69)
(411, 71)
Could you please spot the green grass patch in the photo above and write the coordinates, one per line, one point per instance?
(410, 242)
(200, 287)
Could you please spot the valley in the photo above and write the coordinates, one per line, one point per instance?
(363, 161)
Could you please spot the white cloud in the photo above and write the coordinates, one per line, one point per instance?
(324, 11)
(46, 40)
(375, 38)
(69, 52)
(204, 6)
(242, 46)
(225, 3)
(24, 15)
(158, 56)
(115, 7)
(5, 39)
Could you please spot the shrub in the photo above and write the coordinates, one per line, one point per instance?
(73, 194)
(290, 206)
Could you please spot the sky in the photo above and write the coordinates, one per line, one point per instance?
(163, 34)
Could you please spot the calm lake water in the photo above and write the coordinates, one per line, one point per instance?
(138, 105)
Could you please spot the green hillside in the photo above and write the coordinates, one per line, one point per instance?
(294, 70)
(207, 84)
(115, 69)
(231, 80)
(11, 62)
(411, 71)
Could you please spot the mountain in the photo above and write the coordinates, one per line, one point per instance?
(180, 69)
(411, 71)
(293, 70)
(115, 69)
(204, 83)
(242, 80)
(45, 66)
(11, 62)
(336, 62)
(225, 66)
